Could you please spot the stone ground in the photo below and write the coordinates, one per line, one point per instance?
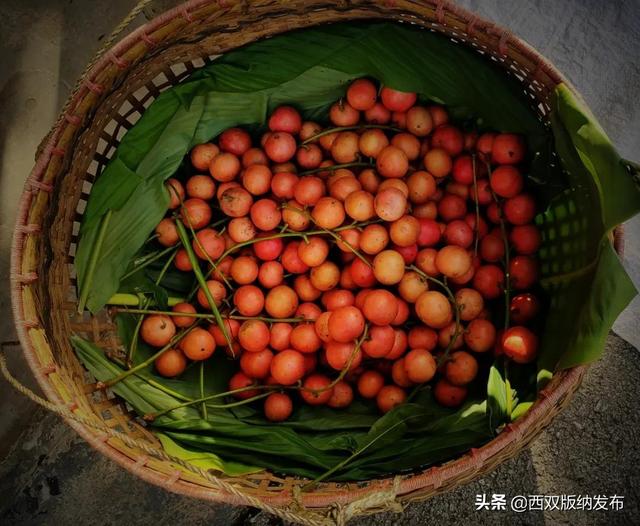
(49, 476)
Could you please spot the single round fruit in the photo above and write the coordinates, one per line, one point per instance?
(422, 186)
(449, 138)
(171, 363)
(523, 308)
(370, 383)
(235, 201)
(325, 276)
(380, 341)
(278, 407)
(315, 389)
(167, 232)
(249, 300)
(392, 162)
(378, 114)
(362, 94)
(434, 309)
(390, 204)
(342, 113)
(438, 162)
(458, 233)
(395, 100)
(338, 355)
(201, 186)
(337, 298)
(198, 345)
(520, 344)
(525, 239)
(461, 368)
(346, 323)
(453, 261)
(256, 364)
(412, 286)
(157, 330)
(520, 210)
(452, 207)
(421, 337)
(265, 214)
(184, 321)
(489, 281)
(492, 248)
(304, 338)
(268, 249)
(372, 142)
(508, 148)
(285, 119)
(253, 335)
(470, 303)
(309, 190)
(419, 121)
(196, 213)
(506, 181)
(449, 395)
(342, 395)
(234, 140)
(281, 302)
(241, 381)
(380, 307)
(399, 374)
(420, 365)
(287, 367)
(202, 155)
(328, 213)
(208, 244)
(225, 167)
(389, 397)
(480, 335)
(523, 271)
(283, 184)
(280, 147)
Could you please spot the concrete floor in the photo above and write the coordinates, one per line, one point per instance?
(49, 476)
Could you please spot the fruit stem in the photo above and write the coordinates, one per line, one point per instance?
(93, 261)
(204, 404)
(456, 308)
(327, 231)
(184, 239)
(336, 167)
(475, 190)
(124, 299)
(279, 235)
(133, 346)
(148, 361)
(207, 257)
(150, 417)
(147, 260)
(205, 316)
(507, 259)
(346, 368)
(338, 129)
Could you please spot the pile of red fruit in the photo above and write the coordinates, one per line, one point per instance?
(366, 258)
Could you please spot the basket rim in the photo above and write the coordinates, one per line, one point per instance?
(564, 383)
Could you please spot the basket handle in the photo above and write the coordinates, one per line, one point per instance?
(380, 500)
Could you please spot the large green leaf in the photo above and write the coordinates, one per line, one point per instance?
(307, 68)
(583, 277)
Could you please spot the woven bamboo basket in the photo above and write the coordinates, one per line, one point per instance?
(110, 98)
